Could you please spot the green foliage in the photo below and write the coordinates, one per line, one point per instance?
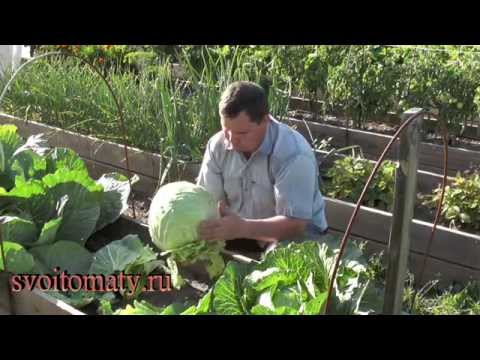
(446, 82)
(363, 84)
(461, 202)
(347, 177)
(290, 280)
(430, 299)
(48, 201)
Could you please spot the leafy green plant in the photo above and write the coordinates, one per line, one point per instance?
(444, 81)
(50, 207)
(464, 302)
(347, 177)
(17, 258)
(290, 280)
(174, 215)
(43, 188)
(47, 197)
(127, 255)
(364, 84)
(461, 203)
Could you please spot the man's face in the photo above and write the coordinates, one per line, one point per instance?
(244, 135)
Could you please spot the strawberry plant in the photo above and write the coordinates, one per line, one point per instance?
(461, 203)
(347, 177)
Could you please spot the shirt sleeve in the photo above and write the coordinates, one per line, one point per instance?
(210, 175)
(295, 188)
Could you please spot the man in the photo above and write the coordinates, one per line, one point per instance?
(262, 173)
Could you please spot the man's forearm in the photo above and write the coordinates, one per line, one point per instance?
(273, 229)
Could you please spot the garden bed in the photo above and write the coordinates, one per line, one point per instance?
(455, 249)
(37, 302)
(426, 180)
(148, 165)
(196, 277)
(372, 144)
(103, 156)
(100, 155)
(306, 109)
(388, 128)
(455, 255)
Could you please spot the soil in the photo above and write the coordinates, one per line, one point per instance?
(142, 204)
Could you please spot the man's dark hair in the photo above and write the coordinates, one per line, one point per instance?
(244, 96)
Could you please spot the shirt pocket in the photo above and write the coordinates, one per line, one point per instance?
(234, 193)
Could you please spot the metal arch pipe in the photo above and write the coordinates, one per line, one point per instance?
(362, 195)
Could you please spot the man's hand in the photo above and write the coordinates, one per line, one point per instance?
(229, 226)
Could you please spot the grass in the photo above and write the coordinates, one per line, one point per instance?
(431, 299)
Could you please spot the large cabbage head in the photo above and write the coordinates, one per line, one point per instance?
(175, 213)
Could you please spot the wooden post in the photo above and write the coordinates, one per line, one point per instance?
(404, 203)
